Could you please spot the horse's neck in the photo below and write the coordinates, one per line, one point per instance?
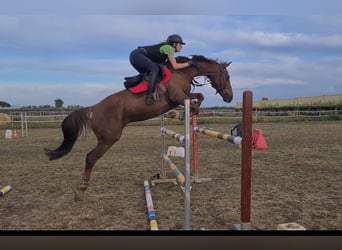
(190, 72)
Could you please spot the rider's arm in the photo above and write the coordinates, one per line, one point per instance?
(176, 65)
(169, 51)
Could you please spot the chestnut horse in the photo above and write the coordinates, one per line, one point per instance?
(108, 117)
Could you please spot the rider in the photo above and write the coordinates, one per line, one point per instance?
(145, 58)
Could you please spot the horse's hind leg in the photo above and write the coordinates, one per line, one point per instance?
(91, 159)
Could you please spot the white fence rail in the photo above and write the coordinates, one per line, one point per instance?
(259, 113)
(46, 117)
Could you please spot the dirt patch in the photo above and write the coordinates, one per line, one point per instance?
(297, 179)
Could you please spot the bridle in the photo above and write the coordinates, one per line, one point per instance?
(220, 87)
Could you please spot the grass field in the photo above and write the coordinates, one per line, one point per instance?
(297, 179)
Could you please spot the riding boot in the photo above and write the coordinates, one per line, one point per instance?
(151, 84)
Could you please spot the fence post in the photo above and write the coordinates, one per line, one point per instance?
(246, 160)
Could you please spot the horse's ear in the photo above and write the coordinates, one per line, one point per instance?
(226, 64)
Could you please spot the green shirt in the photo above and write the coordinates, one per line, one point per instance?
(167, 49)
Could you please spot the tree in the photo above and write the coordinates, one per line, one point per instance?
(4, 104)
(58, 103)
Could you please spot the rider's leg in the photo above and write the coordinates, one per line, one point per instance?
(144, 65)
(151, 85)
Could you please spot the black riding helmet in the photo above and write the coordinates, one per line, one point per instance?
(174, 39)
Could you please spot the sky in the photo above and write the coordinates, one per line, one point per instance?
(78, 51)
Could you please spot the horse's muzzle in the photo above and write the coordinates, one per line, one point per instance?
(227, 96)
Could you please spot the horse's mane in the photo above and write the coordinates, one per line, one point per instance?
(200, 58)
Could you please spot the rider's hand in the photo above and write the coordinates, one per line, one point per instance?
(191, 63)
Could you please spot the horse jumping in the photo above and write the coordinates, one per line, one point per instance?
(108, 118)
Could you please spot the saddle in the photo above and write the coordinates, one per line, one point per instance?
(139, 83)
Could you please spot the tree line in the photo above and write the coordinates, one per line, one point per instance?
(58, 105)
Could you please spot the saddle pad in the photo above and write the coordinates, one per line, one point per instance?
(142, 87)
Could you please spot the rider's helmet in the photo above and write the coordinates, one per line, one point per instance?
(174, 39)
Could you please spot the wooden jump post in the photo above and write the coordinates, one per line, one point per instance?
(246, 155)
(195, 155)
(246, 161)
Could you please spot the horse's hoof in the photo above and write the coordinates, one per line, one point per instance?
(78, 195)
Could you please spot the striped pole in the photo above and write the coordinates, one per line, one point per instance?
(179, 176)
(5, 190)
(178, 137)
(150, 208)
(219, 135)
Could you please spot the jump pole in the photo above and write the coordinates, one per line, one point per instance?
(219, 135)
(178, 137)
(179, 176)
(150, 208)
(5, 190)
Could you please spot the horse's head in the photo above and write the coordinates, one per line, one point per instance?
(217, 73)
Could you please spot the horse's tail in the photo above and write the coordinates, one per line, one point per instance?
(72, 127)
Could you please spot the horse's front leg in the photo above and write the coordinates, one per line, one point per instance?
(198, 97)
(196, 100)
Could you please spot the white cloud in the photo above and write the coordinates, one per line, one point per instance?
(65, 50)
(54, 31)
(85, 94)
